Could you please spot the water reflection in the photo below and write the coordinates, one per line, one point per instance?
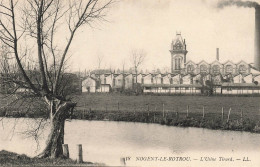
(107, 142)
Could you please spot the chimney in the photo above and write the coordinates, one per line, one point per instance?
(257, 38)
(217, 54)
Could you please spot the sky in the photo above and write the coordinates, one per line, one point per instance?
(151, 25)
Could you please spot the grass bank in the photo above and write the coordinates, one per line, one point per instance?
(173, 119)
(215, 112)
(12, 159)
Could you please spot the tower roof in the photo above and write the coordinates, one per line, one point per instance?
(178, 39)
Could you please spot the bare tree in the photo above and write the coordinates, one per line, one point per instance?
(34, 27)
(100, 60)
(124, 74)
(137, 58)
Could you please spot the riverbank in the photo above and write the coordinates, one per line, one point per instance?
(13, 159)
(209, 121)
(215, 121)
(214, 112)
(226, 113)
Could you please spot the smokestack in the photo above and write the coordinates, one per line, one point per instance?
(217, 54)
(257, 38)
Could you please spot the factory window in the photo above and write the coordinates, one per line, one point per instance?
(152, 80)
(105, 81)
(161, 80)
(203, 68)
(142, 80)
(171, 81)
(229, 69)
(190, 68)
(216, 69)
(242, 68)
(177, 63)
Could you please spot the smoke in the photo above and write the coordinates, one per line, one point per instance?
(247, 4)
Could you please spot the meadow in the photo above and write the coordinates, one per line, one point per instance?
(248, 106)
(214, 112)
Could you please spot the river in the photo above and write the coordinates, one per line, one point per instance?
(107, 142)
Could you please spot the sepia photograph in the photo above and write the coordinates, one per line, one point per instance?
(130, 83)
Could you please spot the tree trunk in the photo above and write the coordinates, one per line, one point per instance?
(55, 139)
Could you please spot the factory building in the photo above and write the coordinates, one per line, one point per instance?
(189, 77)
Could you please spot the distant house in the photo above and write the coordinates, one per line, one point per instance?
(217, 79)
(118, 81)
(104, 88)
(205, 78)
(187, 79)
(216, 68)
(238, 78)
(172, 88)
(89, 85)
(240, 88)
(176, 79)
(197, 78)
(166, 79)
(109, 79)
(191, 67)
(157, 79)
(229, 67)
(203, 67)
(148, 79)
(129, 81)
(242, 67)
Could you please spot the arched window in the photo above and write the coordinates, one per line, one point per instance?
(216, 69)
(177, 63)
(190, 68)
(242, 68)
(203, 68)
(229, 69)
(171, 81)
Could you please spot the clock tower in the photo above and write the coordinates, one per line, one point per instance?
(178, 54)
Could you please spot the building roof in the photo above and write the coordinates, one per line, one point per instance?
(242, 62)
(178, 39)
(255, 72)
(229, 62)
(89, 77)
(190, 62)
(203, 62)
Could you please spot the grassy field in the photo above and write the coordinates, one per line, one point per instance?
(244, 111)
(250, 106)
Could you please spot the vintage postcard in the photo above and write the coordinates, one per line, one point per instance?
(130, 83)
